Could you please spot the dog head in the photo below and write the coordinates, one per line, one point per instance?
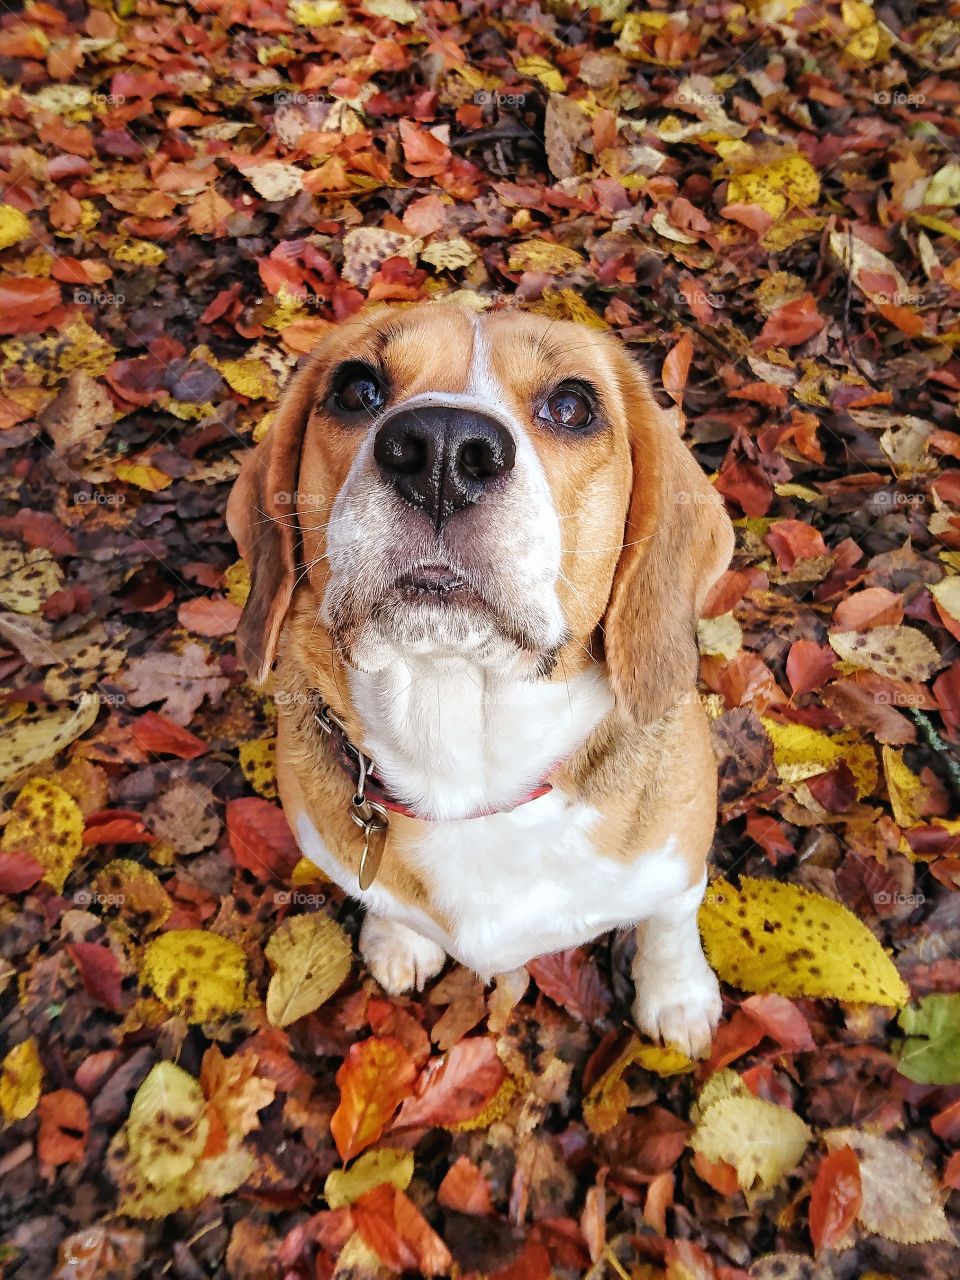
(500, 488)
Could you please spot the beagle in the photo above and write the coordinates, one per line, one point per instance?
(480, 550)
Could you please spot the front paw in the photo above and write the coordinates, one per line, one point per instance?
(400, 959)
(680, 1011)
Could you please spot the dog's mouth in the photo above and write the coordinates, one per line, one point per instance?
(438, 584)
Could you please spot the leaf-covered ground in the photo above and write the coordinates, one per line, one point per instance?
(198, 1077)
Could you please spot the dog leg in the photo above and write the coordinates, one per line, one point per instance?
(399, 958)
(678, 996)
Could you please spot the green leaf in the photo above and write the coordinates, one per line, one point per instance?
(931, 1055)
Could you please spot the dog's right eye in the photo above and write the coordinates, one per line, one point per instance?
(358, 390)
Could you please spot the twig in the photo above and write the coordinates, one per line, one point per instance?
(937, 744)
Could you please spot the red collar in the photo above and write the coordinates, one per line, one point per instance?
(368, 784)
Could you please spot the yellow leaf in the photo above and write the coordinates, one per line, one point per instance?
(305, 872)
(722, 1084)
(37, 736)
(316, 13)
(167, 1126)
(543, 70)
(944, 187)
(47, 824)
(766, 936)
(197, 974)
(762, 1141)
(258, 763)
(136, 891)
(372, 1169)
(904, 788)
(14, 226)
(543, 255)
(139, 252)
(566, 304)
(27, 578)
(448, 255)
(396, 10)
(141, 474)
(20, 1078)
(721, 636)
(776, 187)
(902, 653)
(607, 1101)
(311, 957)
(947, 595)
(236, 583)
(801, 752)
(250, 377)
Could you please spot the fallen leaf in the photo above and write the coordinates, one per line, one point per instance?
(311, 956)
(899, 1197)
(767, 936)
(374, 1078)
(197, 974)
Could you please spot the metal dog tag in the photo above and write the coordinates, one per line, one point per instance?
(374, 840)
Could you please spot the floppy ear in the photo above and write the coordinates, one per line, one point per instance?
(262, 518)
(677, 541)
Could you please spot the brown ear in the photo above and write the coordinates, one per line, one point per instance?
(677, 541)
(262, 518)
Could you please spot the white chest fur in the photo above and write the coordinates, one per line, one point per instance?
(513, 885)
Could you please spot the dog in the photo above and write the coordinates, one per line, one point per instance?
(480, 549)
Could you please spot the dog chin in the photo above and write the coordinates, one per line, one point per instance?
(402, 626)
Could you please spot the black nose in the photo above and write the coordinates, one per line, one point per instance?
(443, 459)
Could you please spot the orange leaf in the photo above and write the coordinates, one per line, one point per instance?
(395, 1229)
(835, 1199)
(64, 1125)
(791, 324)
(464, 1189)
(676, 367)
(424, 155)
(373, 1080)
(457, 1086)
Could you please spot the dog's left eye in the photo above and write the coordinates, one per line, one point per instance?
(358, 390)
(569, 408)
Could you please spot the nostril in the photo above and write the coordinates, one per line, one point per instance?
(476, 459)
(401, 452)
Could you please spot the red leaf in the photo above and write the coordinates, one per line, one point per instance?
(209, 616)
(64, 1126)
(809, 665)
(398, 1233)
(572, 980)
(951, 1174)
(465, 1189)
(835, 1199)
(28, 295)
(781, 1020)
(455, 1087)
(874, 607)
(791, 324)
(18, 872)
(374, 1078)
(99, 972)
(745, 484)
(154, 732)
(116, 827)
(793, 540)
(733, 1039)
(260, 838)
